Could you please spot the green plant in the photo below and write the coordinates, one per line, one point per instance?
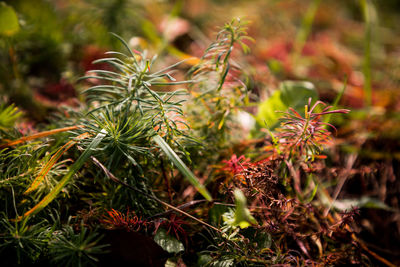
(123, 157)
(218, 90)
(68, 248)
(9, 21)
(305, 29)
(8, 116)
(291, 94)
(305, 136)
(131, 94)
(22, 243)
(131, 115)
(369, 13)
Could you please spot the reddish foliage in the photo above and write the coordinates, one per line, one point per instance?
(297, 226)
(305, 135)
(174, 225)
(236, 164)
(130, 222)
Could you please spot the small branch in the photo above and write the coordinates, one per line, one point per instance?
(337, 217)
(183, 206)
(164, 173)
(296, 177)
(115, 179)
(342, 179)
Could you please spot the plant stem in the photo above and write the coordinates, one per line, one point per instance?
(305, 29)
(166, 180)
(115, 179)
(366, 9)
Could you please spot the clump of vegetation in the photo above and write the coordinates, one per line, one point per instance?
(165, 162)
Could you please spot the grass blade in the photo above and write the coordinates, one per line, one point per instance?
(38, 135)
(336, 101)
(38, 180)
(182, 167)
(74, 168)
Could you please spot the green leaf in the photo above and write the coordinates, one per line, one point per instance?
(215, 214)
(167, 242)
(224, 263)
(336, 101)
(242, 216)
(363, 202)
(64, 181)
(292, 94)
(8, 115)
(8, 20)
(182, 167)
(204, 260)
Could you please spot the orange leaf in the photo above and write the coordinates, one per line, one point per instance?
(35, 184)
(39, 135)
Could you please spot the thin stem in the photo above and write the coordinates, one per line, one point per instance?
(115, 179)
(366, 8)
(305, 29)
(166, 180)
(183, 206)
(342, 179)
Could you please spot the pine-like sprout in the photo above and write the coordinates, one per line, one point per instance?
(126, 118)
(8, 116)
(126, 137)
(306, 135)
(21, 243)
(218, 87)
(217, 56)
(133, 114)
(130, 90)
(75, 249)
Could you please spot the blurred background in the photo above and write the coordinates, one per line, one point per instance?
(54, 42)
(45, 46)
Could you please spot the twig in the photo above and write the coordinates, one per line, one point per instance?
(342, 179)
(295, 175)
(360, 242)
(115, 179)
(373, 254)
(183, 206)
(166, 180)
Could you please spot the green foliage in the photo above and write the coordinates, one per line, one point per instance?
(363, 202)
(369, 13)
(290, 94)
(8, 116)
(241, 216)
(218, 90)
(168, 242)
(137, 118)
(124, 136)
(17, 168)
(129, 94)
(68, 248)
(9, 24)
(182, 167)
(22, 243)
(67, 177)
(305, 28)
